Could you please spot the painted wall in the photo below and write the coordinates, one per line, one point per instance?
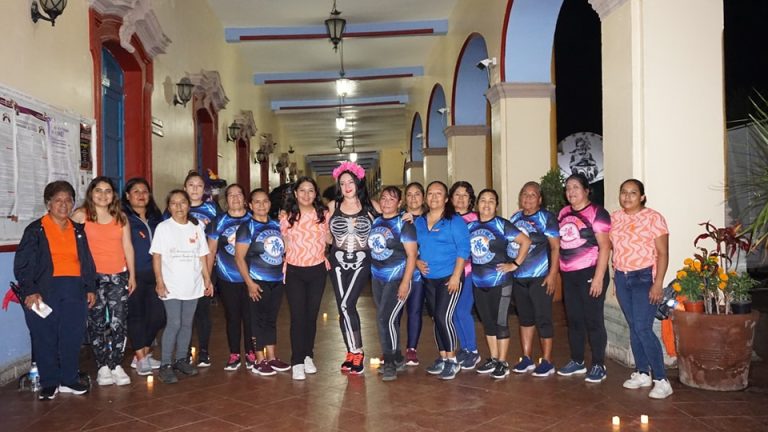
(391, 163)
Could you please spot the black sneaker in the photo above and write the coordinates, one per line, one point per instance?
(185, 367)
(358, 364)
(75, 388)
(501, 370)
(48, 393)
(203, 360)
(167, 375)
(488, 366)
(389, 372)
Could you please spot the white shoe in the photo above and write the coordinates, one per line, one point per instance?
(298, 372)
(637, 380)
(154, 364)
(120, 377)
(309, 365)
(661, 389)
(104, 376)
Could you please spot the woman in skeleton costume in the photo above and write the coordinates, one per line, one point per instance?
(352, 214)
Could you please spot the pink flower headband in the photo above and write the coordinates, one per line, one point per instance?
(352, 167)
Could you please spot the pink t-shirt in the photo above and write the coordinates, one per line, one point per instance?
(633, 237)
(578, 244)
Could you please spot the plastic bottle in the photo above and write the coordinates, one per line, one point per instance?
(34, 378)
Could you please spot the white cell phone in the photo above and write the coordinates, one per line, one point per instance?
(42, 309)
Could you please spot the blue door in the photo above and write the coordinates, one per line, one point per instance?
(112, 119)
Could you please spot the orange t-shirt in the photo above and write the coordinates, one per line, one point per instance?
(106, 244)
(305, 240)
(63, 247)
(633, 238)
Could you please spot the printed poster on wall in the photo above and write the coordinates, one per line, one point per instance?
(63, 132)
(32, 162)
(582, 153)
(8, 161)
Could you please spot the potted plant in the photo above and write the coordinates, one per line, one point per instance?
(553, 200)
(740, 285)
(714, 348)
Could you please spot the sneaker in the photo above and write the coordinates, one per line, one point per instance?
(143, 367)
(471, 359)
(120, 377)
(104, 376)
(572, 368)
(637, 380)
(501, 370)
(233, 363)
(203, 360)
(661, 389)
(48, 393)
(358, 364)
(185, 367)
(596, 374)
(346, 365)
(282, 366)
(461, 355)
(437, 367)
(309, 365)
(263, 368)
(400, 364)
(167, 375)
(298, 372)
(525, 365)
(488, 366)
(134, 362)
(76, 388)
(250, 360)
(154, 364)
(450, 370)
(410, 357)
(544, 369)
(388, 372)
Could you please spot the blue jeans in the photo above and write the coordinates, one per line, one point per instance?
(632, 292)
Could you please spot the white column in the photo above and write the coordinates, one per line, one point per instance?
(414, 172)
(467, 155)
(435, 165)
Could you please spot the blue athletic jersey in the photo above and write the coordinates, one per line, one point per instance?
(205, 212)
(387, 251)
(266, 250)
(223, 230)
(491, 243)
(540, 227)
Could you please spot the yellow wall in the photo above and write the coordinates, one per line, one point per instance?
(391, 163)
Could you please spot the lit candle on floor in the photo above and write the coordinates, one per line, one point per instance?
(150, 380)
(192, 351)
(616, 420)
(325, 316)
(643, 419)
(375, 361)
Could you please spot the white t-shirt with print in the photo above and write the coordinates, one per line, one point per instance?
(181, 247)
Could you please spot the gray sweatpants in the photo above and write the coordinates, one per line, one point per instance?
(178, 328)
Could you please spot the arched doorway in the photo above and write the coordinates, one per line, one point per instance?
(112, 119)
(205, 141)
(243, 152)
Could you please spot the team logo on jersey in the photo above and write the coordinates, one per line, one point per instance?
(201, 217)
(377, 241)
(274, 248)
(230, 234)
(480, 246)
(570, 237)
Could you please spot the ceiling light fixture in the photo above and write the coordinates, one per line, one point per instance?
(341, 121)
(340, 143)
(335, 27)
(53, 8)
(353, 155)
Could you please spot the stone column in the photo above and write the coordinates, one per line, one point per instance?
(522, 135)
(414, 172)
(435, 165)
(467, 155)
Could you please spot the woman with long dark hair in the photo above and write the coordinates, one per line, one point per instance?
(414, 305)
(109, 239)
(146, 315)
(443, 241)
(304, 227)
(352, 214)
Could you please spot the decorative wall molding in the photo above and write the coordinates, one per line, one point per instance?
(605, 7)
(414, 164)
(266, 143)
(247, 125)
(208, 87)
(439, 151)
(139, 19)
(467, 130)
(506, 90)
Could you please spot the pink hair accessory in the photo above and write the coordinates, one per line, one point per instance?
(352, 167)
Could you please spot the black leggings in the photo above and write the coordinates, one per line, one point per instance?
(443, 304)
(534, 305)
(202, 322)
(414, 305)
(146, 314)
(585, 314)
(493, 306)
(264, 314)
(304, 288)
(348, 282)
(234, 297)
(389, 309)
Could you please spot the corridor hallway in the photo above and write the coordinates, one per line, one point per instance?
(217, 400)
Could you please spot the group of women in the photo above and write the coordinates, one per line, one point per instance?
(134, 271)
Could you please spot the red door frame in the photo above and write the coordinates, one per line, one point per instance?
(210, 130)
(138, 72)
(244, 163)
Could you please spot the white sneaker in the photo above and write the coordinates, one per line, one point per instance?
(104, 376)
(637, 380)
(120, 377)
(309, 365)
(298, 372)
(154, 364)
(661, 389)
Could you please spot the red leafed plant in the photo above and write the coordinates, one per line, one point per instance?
(728, 242)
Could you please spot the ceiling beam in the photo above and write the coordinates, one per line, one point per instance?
(329, 76)
(353, 30)
(377, 101)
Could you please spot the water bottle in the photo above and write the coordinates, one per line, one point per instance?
(34, 378)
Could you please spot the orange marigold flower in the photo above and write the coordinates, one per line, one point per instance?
(697, 265)
(722, 285)
(681, 274)
(688, 262)
(676, 286)
(732, 272)
(723, 277)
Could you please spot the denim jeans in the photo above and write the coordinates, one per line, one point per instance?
(632, 292)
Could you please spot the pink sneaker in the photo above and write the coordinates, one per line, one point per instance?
(250, 360)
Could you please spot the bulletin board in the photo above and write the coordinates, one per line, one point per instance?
(39, 143)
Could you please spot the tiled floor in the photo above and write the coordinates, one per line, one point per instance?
(217, 400)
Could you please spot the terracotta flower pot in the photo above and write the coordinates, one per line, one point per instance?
(695, 306)
(714, 351)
